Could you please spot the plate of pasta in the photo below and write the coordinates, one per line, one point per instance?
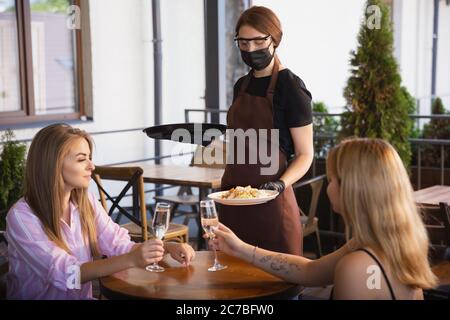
(243, 196)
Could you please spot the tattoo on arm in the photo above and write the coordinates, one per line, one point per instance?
(265, 259)
(294, 266)
(280, 262)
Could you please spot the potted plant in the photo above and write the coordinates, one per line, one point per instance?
(323, 125)
(377, 104)
(435, 129)
(12, 168)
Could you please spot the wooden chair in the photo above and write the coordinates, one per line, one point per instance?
(184, 195)
(310, 222)
(437, 223)
(138, 227)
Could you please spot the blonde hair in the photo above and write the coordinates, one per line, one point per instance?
(379, 209)
(44, 183)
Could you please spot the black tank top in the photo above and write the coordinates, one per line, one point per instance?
(382, 270)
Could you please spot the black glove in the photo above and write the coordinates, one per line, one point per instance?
(274, 185)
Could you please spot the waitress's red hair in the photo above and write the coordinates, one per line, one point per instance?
(262, 19)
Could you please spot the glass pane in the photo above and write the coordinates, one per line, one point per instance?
(9, 58)
(53, 57)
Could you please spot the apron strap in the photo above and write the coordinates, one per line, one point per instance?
(245, 82)
(273, 80)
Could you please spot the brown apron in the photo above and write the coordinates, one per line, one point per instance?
(274, 225)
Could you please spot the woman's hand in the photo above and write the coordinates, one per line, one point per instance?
(225, 240)
(147, 253)
(278, 186)
(182, 252)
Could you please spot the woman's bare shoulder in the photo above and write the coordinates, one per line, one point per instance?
(353, 275)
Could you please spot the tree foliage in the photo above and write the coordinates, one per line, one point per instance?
(377, 105)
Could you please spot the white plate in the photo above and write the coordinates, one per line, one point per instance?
(217, 197)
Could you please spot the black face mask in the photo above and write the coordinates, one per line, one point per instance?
(258, 59)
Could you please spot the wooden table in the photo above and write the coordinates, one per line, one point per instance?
(240, 280)
(203, 178)
(433, 195)
(200, 177)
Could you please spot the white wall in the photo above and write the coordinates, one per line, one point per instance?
(317, 39)
(184, 62)
(414, 29)
(319, 35)
(118, 80)
(413, 26)
(443, 70)
(122, 72)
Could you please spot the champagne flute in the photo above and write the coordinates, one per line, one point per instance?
(160, 224)
(210, 222)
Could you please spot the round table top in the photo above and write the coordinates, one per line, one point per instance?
(240, 280)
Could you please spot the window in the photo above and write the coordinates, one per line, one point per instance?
(40, 61)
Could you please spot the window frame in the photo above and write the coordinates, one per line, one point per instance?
(27, 113)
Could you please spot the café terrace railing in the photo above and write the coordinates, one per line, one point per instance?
(331, 137)
(98, 133)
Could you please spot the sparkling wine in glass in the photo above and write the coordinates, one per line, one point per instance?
(160, 224)
(210, 222)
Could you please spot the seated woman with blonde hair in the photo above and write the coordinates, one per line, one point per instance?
(387, 256)
(58, 231)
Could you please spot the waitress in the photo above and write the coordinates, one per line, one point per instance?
(269, 97)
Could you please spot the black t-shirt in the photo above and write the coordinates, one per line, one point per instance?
(291, 103)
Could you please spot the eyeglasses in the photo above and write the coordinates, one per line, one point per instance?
(244, 43)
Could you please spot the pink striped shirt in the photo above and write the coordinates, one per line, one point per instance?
(38, 269)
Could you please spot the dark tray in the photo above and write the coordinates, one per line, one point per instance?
(164, 132)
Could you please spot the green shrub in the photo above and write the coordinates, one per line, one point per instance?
(12, 169)
(377, 104)
(436, 129)
(323, 125)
